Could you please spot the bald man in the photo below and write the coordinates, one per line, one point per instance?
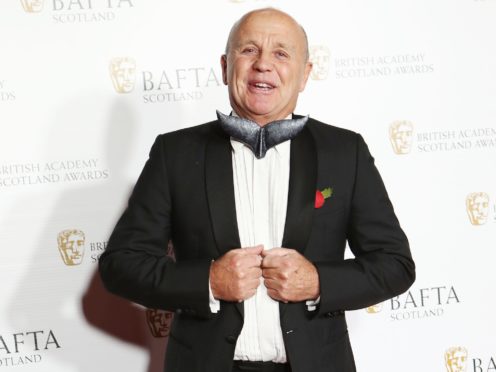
(259, 205)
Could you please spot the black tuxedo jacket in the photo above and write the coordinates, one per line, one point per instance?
(185, 193)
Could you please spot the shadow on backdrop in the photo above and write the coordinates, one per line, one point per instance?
(55, 296)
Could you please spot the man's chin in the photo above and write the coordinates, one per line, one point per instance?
(268, 112)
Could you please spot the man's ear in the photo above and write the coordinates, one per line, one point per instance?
(306, 74)
(223, 64)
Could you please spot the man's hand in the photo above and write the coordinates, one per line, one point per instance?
(289, 277)
(236, 275)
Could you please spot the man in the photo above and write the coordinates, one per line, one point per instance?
(259, 210)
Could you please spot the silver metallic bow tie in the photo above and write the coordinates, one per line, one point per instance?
(260, 139)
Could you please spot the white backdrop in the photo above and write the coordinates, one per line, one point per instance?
(86, 85)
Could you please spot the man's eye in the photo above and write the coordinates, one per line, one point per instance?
(249, 50)
(281, 54)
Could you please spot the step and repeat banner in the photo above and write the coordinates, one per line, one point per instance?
(86, 86)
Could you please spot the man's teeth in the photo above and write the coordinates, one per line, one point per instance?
(263, 85)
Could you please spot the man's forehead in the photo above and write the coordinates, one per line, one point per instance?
(279, 40)
(271, 39)
(280, 26)
(269, 18)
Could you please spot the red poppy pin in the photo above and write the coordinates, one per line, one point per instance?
(321, 196)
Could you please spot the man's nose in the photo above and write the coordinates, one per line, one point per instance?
(263, 62)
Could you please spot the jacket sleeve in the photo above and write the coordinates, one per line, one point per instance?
(135, 264)
(383, 265)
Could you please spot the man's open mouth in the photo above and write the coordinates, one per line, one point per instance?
(262, 86)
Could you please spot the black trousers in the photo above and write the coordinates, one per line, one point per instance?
(244, 366)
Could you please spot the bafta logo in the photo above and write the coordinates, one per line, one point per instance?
(159, 322)
(71, 246)
(319, 56)
(32, 6)
(455, 359)
(123, 74)
(374, 309)
(401, 136)
(477, 204)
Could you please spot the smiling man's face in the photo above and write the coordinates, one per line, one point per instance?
(266, 66)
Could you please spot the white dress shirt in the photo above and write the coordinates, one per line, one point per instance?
(261, 194)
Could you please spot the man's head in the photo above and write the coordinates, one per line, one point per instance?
(71, 246)
(266, 65)
(455, 358)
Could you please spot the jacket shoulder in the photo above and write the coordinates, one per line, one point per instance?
(189, 134)
(187, 140)
(323, 128)
(323, 132)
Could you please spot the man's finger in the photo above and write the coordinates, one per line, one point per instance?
(272, 262)
(274, 295)
(277, 252)
(272, 284)
(251, 261)
(256, 250)
(254, 272)
(272, 273)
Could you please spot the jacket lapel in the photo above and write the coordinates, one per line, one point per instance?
(301, 194)
(220, 194)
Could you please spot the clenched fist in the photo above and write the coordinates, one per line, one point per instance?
(289, 276)
(236, 275)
